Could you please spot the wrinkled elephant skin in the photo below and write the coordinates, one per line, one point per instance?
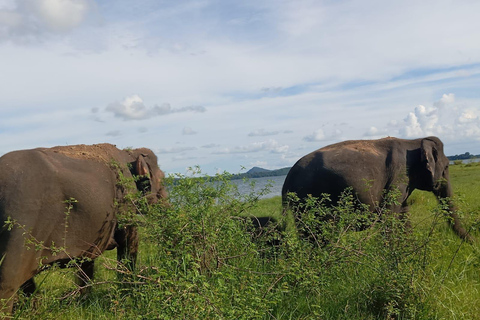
(37, 186)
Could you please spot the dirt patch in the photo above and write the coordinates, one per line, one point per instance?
(103, 152)
(363, 146)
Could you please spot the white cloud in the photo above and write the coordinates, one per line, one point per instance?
(262, 132)
(446, 118)
(133, 108)
(320, 135)
(270, 146)
(60, 15)
(372, 132)
(468, 116)
(30, 20)
(446, 100)
(412, 128)
(317, 135)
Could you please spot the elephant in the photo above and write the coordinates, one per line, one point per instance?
(385, 164)
(66, 202)
(265, 226)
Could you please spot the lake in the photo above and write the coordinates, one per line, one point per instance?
(275, 189)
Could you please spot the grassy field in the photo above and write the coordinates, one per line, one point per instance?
(199, 260)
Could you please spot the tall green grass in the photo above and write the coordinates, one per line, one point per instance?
(200, 259)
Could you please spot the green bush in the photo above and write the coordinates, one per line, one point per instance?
(200, 258)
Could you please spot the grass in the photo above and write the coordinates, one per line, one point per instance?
(197, 262)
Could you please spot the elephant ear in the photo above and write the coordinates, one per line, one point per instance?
(142, 171)
(429, 156)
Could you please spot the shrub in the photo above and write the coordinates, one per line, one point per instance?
(200, 258)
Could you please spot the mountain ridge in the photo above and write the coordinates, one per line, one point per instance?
(257, 172)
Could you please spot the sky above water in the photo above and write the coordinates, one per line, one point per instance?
(231, 84)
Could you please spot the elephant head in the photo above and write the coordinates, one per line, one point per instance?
(438, 179)
(150, 177)
(436, 165)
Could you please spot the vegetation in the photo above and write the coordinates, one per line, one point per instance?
(200, 258)
(463, 156)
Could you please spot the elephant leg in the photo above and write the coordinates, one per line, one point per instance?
(6, 300)
(29, 287)
(85, 275)
(127, 240)
(16, 272)
(8, 290)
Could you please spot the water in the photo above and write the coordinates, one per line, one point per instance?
(468, 160)
(276, 183)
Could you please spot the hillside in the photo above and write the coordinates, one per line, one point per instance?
(257, 172)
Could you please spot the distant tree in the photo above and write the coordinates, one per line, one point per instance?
(463, 156)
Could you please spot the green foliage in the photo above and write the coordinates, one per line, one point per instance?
(463, 156)
(200, 258)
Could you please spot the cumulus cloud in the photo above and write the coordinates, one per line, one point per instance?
(412, 126)
(446, 100)
(31, 19)
(427, 121)
(317, 135)
(60, 15)
(467, 123)
(371, 132)
(468, 116)
(445, 118)
(133, 108)
(320, 135)
(262, 132)
(271, 146)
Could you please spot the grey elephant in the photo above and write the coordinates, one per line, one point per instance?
(69, 200)
(383, 164)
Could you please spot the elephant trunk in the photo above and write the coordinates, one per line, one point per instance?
(445, 192)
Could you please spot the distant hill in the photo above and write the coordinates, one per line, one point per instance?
(257, 172)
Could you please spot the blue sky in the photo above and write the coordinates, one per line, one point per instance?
(232, 84)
